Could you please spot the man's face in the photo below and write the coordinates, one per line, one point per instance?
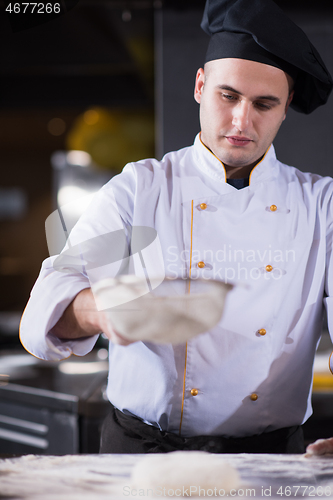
(242, 106)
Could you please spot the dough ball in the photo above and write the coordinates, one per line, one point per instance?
(191, 472)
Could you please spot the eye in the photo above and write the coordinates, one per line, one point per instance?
(263, 106)
(229, 97)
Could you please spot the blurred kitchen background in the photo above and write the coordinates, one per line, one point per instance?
(107, 82)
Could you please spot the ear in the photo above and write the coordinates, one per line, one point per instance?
(199, 84)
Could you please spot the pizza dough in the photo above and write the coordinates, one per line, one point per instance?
(185, 473)
(168, 311)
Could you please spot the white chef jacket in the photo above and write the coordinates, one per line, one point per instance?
(253, 371)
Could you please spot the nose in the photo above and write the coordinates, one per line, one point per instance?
(241, 116)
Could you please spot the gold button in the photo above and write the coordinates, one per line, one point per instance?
(273, 208)
(201, 264)
(203, 206)
(269, 268)
(194, 392)
(262, 331)
(254, 397)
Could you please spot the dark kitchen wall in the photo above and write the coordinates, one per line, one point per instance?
(98, 55)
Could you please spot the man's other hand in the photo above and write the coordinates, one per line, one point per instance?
(320, 447)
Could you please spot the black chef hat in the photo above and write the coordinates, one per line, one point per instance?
(259, 30)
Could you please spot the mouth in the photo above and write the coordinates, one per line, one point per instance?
(236, 140)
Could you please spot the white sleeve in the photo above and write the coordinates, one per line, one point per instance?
(50, 296)
(328, 299)
(63, 277)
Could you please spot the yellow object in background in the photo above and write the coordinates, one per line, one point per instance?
(322, 377)
(113, 137)
(322, 381)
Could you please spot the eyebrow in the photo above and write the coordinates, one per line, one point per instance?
(271, 98)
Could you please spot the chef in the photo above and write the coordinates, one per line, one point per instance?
(227, 209)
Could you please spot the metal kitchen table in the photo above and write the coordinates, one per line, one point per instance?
(51, 408)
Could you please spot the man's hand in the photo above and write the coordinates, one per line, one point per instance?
(82, 319)
(320, 447)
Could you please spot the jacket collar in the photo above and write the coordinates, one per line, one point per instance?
(209, 164)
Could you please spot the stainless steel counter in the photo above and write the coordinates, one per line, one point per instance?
(49, 407)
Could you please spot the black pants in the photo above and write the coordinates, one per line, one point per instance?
(125, 434)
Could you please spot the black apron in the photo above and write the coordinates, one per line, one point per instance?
(126, 434)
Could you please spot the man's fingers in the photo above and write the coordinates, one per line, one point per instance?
(116, 338)
(320, 447)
